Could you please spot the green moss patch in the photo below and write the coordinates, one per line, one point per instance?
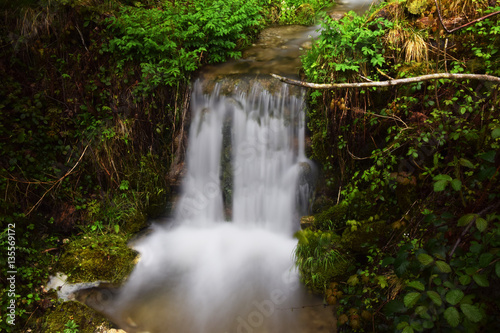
(83, 316)
(97, 258)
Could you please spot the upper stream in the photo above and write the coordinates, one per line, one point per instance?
(224, 261)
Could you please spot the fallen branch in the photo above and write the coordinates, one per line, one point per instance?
(466, 24)
(481, 77)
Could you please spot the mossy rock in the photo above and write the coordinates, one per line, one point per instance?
(366, 234)
(136, 222)
(331, 218)
(86, 318)
(97, 258)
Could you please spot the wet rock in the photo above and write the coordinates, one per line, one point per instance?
(306, 222)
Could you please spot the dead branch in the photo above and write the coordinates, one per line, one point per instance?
(482, 77)
(464, 25)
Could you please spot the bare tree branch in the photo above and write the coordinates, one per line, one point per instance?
(466, 24)
(482, 77)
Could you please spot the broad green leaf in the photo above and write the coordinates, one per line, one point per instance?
(387, 261)
(454, 296)
(353, 280)
(443, 266)
(466, 219)
(471, 312)
(452, 316)
(497, 268)
(428, 324)
(495, 134)
(417, 285)
(408, 329)
(434, 296)
(465, 279)
(485, 259)
(402, 325)
(489, 156)
(425, 259)
(416, 326)
(456, 184)
(422, 311)
(466, 163)
(382, 281)
(395, 306)
(481, 280)
(440, 185)
(443, 177)
(411, 299)
(448, 285)
(481, 224)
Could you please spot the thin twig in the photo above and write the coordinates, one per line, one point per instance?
(58, 181)
(81, 36)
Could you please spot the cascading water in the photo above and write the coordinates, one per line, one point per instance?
(206, 274)
(225, 262)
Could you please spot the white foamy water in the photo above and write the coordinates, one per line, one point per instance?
(211, 271)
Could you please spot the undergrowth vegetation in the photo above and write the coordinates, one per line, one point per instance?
(94, 98)
(411, 192)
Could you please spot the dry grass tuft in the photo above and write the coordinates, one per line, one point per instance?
(415, 48)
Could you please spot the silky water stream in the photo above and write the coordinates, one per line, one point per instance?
(224, 261)
(220, 269)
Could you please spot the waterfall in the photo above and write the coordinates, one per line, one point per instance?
(219, 268)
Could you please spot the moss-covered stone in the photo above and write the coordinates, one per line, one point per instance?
(359, 238)
(97, 258)
(331, 218)
(83, 316)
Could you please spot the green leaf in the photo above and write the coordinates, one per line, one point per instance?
(425, 259)
(408, 329)
(417, 285)
(443, 266)
(497, 268)
(411, 299)
(353, 280)
(481, 280)
(466, 219)
(443, 177)
(495, 134)
(485, 259)
(454, 296)
(395, 306)
(466, 163)
(440, 185)
(481, 224)
(471, 312)
(452, 316)
(489, 156)
(465, 280)
(434, 296)
(456, 184)
(428, 324)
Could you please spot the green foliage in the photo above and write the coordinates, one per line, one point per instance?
(71, 327)
(173, 41)
(424, 165)
(319, 259)
(350, 45)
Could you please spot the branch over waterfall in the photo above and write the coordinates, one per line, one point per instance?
(482, 77)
